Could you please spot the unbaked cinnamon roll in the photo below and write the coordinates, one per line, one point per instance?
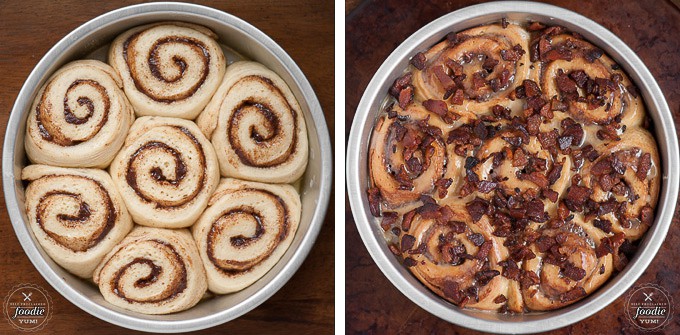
(256, 126)
(153, 271)
(166, 172)
(76, 215)
(525, 137)
(245, 230)
(168, 69)
(79, 117)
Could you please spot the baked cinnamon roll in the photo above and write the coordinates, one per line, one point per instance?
(168, 69)
(166, 172)
(256, 126)
(76, 215)
(245, 230)
(153, 271)
(527, 138)
(79, 117)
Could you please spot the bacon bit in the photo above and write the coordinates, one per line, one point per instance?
(604, 225)
(533, 124)
(389, 218)
(576, 197)
(408, 220)
(444, 78)
(604, 248)
(536, 103)
(374, 199)
(573, 272)
(559, 53)
(537, 178)
(407, 242)
(510, 55)
(418, 61)
(543, 45)
(394, 249)
(528, 279)
(647, 215)
(504, 23)
(438, 107)
(573, 294)
(523, 253)
(485, 276)
(519, 158)
(428, 211)
(607, 134)
(544, 243)
(531, 89)
(489, 64)
(535, 211)
(399, 84)
(633, 90)
(580, 78)
(442, 186)
(500, 299)
(504, 77)
(510, 269)
(515, 141)
(452, 292)
(550, 195)
(477, 208)
(478, 80)
(477, 239)
(593, 54)
(562, 211)
(481, 131)
(486, 186)
(644, 166)
(405, 97)
(548, 140)
(565, 84)
(555, 173)
(458, 97)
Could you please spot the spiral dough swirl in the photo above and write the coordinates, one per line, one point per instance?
(168, 69)
(153, 271)
(256, 126)
(79, 118)
(246, 229)
(76, 214)
(166, 172)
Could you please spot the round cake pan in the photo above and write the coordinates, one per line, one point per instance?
(250, 43)
(358, 176)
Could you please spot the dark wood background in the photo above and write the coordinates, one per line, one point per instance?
(304, 28)
(374, 29)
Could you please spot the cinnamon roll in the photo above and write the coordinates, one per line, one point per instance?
(166, 172)
(256, 126)
(475, 69)
(245, 230)
(456, 258)
(79, 117)
(76, 215)
(168, 69)
(524, 144)
(569, 266)
(624, 181)
(153, 271)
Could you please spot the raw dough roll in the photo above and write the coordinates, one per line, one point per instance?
(245, 231)
(79, 117)
(168, 69)
(165, 172)
(153, 271)
(76, 215)
(256, 126)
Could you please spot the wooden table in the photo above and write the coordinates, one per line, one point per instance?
(304, 28)
(374, 29)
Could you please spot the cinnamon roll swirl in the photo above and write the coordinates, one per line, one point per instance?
(79, 117)
(256, 126)
(153, 271)
(166, 172)
(245, 230)
(527, 138)
(76, 215)
(168, 69)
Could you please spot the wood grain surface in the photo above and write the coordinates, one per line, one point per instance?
(304, 29)
(374, 29)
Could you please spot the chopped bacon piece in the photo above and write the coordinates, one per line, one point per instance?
(418, 61)
(374, 199)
